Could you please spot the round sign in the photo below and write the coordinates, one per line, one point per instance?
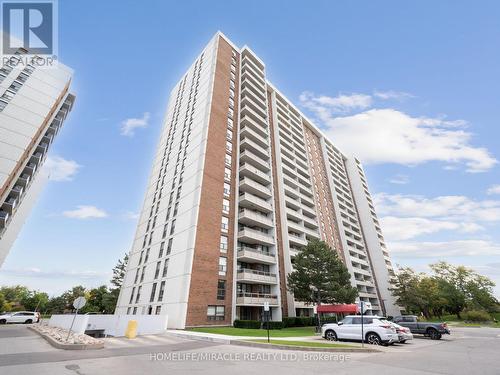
(79, 302)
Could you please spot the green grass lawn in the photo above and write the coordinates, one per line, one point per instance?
(285, 332)
(305, 343)
(455, 322)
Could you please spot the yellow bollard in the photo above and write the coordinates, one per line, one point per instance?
(131, 331)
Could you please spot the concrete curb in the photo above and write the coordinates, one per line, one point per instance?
(303, 348)
(60, 345)
(218, 340)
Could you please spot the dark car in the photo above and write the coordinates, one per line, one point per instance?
(434, 330)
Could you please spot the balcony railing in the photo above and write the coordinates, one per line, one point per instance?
(249, 217)
(253, 236)
(251, 186)
(253, 276)
(248, 254)
(256, 299)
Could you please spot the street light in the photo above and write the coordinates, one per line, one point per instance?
(318, 302)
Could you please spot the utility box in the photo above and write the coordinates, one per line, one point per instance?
(131, 331)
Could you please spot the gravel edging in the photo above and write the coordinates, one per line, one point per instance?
(60, 345)
(303, 348)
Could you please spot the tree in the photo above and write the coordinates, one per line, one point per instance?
(320, 276)
(35, 301)
(70, 295)
(56, 305)
(464, 288)
(15, 294)
(405, 288)
(119, 272)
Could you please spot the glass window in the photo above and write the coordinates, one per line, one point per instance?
(227, 173)
(215, 312)
(222, 266)
(225, 223)
(225, 206)
(223, 244)
(161, 292)
(153, 292)
(227, 189)
(165, 268)
(228, 160)
(221, 289)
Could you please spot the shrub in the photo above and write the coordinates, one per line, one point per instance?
(477, 316)
(251, 324)
(328, 319)
(288, 322)
(304, 321)
(272, 325)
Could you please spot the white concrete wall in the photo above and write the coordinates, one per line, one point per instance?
(113, 325)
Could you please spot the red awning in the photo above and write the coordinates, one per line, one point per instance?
(352, 308)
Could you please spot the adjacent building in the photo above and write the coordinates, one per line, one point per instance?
(240, 182)
(34, 102)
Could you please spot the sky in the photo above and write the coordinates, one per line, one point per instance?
(411, 88)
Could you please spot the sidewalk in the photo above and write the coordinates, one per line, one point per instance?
(226, 339)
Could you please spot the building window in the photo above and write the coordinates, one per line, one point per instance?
(229, 147)
(158, 310)
(136, 276)
(162, 246)
(228, 160)
(223, 244)
(227, 189)
(162, 290)
(229, 134)
(222, 266)
(230, 123)
(215, 312)
(225, 206)
(143, 273)
(138, 296)
(225, 224)
(172, 228)
(157, 271)
(227, 173)
(165, 268)
(169, 246)
(135, 311)
(221, 289)
(153, 292)
(147, 256)
(132, 295)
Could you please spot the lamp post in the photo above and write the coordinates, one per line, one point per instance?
(318, 302)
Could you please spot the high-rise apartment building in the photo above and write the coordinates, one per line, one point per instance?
(34, 102)
(240, 182)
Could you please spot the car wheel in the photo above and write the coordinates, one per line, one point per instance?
(3, 321)
(331, 335)
(434, 334)
(373, 339)
(29, 321)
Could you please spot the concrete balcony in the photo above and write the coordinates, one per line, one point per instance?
(296, 227)
(4, 217)
(247, 121)
(297, 240)
(248, 111)
(252, 218)
(292, 214)
(248, 132)
(251, 255)
(309, 210)
(253, 236)
(248, 92)
(256, 277)
(256, 299)
(253, 85)
(248, 144)
(247, 170)
(248, 62)
(310, 221)
(251, 186)
(258, 107)
(251, 201)
(24, 180)
(9, 205)
(249, 157)
(17, 191)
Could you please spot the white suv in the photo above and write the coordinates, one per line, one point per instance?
(20, 317)
(377, 330)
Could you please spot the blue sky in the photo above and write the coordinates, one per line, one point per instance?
(412, 88)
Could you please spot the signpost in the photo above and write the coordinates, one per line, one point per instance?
(77, 304)
(266, 313)
(362, 308)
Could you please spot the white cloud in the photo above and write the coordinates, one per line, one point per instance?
(400, 179)
(61, 169)
(130, 215)
(387, 95)
(339, 104)
(494, 189)
(130, 125)
(398, 228)
(462, 248)
(448, 207)
(390, 136)
(85, 212)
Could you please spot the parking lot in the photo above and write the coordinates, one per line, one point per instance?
(466, 351)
